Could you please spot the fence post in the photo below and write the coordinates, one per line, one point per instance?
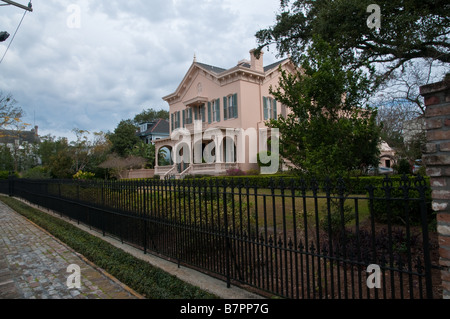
(227, 234)
(11, 184)
(437, 160)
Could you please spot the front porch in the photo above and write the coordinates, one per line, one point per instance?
(188, 158)
(180, 171)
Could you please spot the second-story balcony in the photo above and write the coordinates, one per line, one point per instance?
(196, 125)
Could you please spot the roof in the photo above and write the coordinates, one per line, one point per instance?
(211, 68)
(274, 65)
(10, 137)
(218, 70)
(160, 126)
(218, 73)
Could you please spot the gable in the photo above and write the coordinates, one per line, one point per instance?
(201, 75)
(208, 73)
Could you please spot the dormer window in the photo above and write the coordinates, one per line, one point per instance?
(144, 127)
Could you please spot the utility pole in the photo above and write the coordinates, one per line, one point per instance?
(5, 35)
(28, 8)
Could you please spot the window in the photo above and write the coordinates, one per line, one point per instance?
(143, 128)
(187, 116)
(270, 108)
(214, 111)
(175, 120)
(230, 108)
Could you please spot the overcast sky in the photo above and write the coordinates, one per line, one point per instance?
(90, 64)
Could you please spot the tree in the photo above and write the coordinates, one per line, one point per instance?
(6, 159)
(10, 113)
(61, 164)
(124, 138)
(117, 164)
(329, 130)
(99, 150)
(147, 151)
(80, 149)
(150, 115)
(401, 108)
(412, 29)
(50, 146)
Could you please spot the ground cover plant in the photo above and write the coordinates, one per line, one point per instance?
(147, 280)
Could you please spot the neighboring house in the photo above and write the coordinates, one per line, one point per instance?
(221, 99)
(18, 143)
(17, 139)
(151, 132)
(387, 158)
(411, 130)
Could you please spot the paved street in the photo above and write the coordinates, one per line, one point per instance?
(33, 265)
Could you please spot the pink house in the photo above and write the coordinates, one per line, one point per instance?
(210, 101)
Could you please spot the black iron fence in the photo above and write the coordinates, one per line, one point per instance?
(290, 237)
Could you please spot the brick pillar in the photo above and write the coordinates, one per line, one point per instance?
(437, 160)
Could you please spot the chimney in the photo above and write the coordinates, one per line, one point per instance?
(36, 128)
(257, 64)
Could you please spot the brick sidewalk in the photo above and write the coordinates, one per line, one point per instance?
(33, 265)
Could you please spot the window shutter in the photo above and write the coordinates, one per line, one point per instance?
(225, 110)
(235, 106)
(173, 126)
(218, 110)
(275, 112)
(209, 113)
(266, 110)
(184, 118)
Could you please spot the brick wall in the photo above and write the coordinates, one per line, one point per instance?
(437, 160)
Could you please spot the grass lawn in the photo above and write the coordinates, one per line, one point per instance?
(268, 210)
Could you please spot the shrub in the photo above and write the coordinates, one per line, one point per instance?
(84, 175)
(403, 167)
(235, 172)
(253, 172)
(259, 161)
(4, 175)
(38, 172)
(332, 222)
(395, 208)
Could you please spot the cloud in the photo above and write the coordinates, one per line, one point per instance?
(124, 57)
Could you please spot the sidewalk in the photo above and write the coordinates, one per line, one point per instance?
(33, 265)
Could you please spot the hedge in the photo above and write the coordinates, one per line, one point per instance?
(400, 207)
(354, 185)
